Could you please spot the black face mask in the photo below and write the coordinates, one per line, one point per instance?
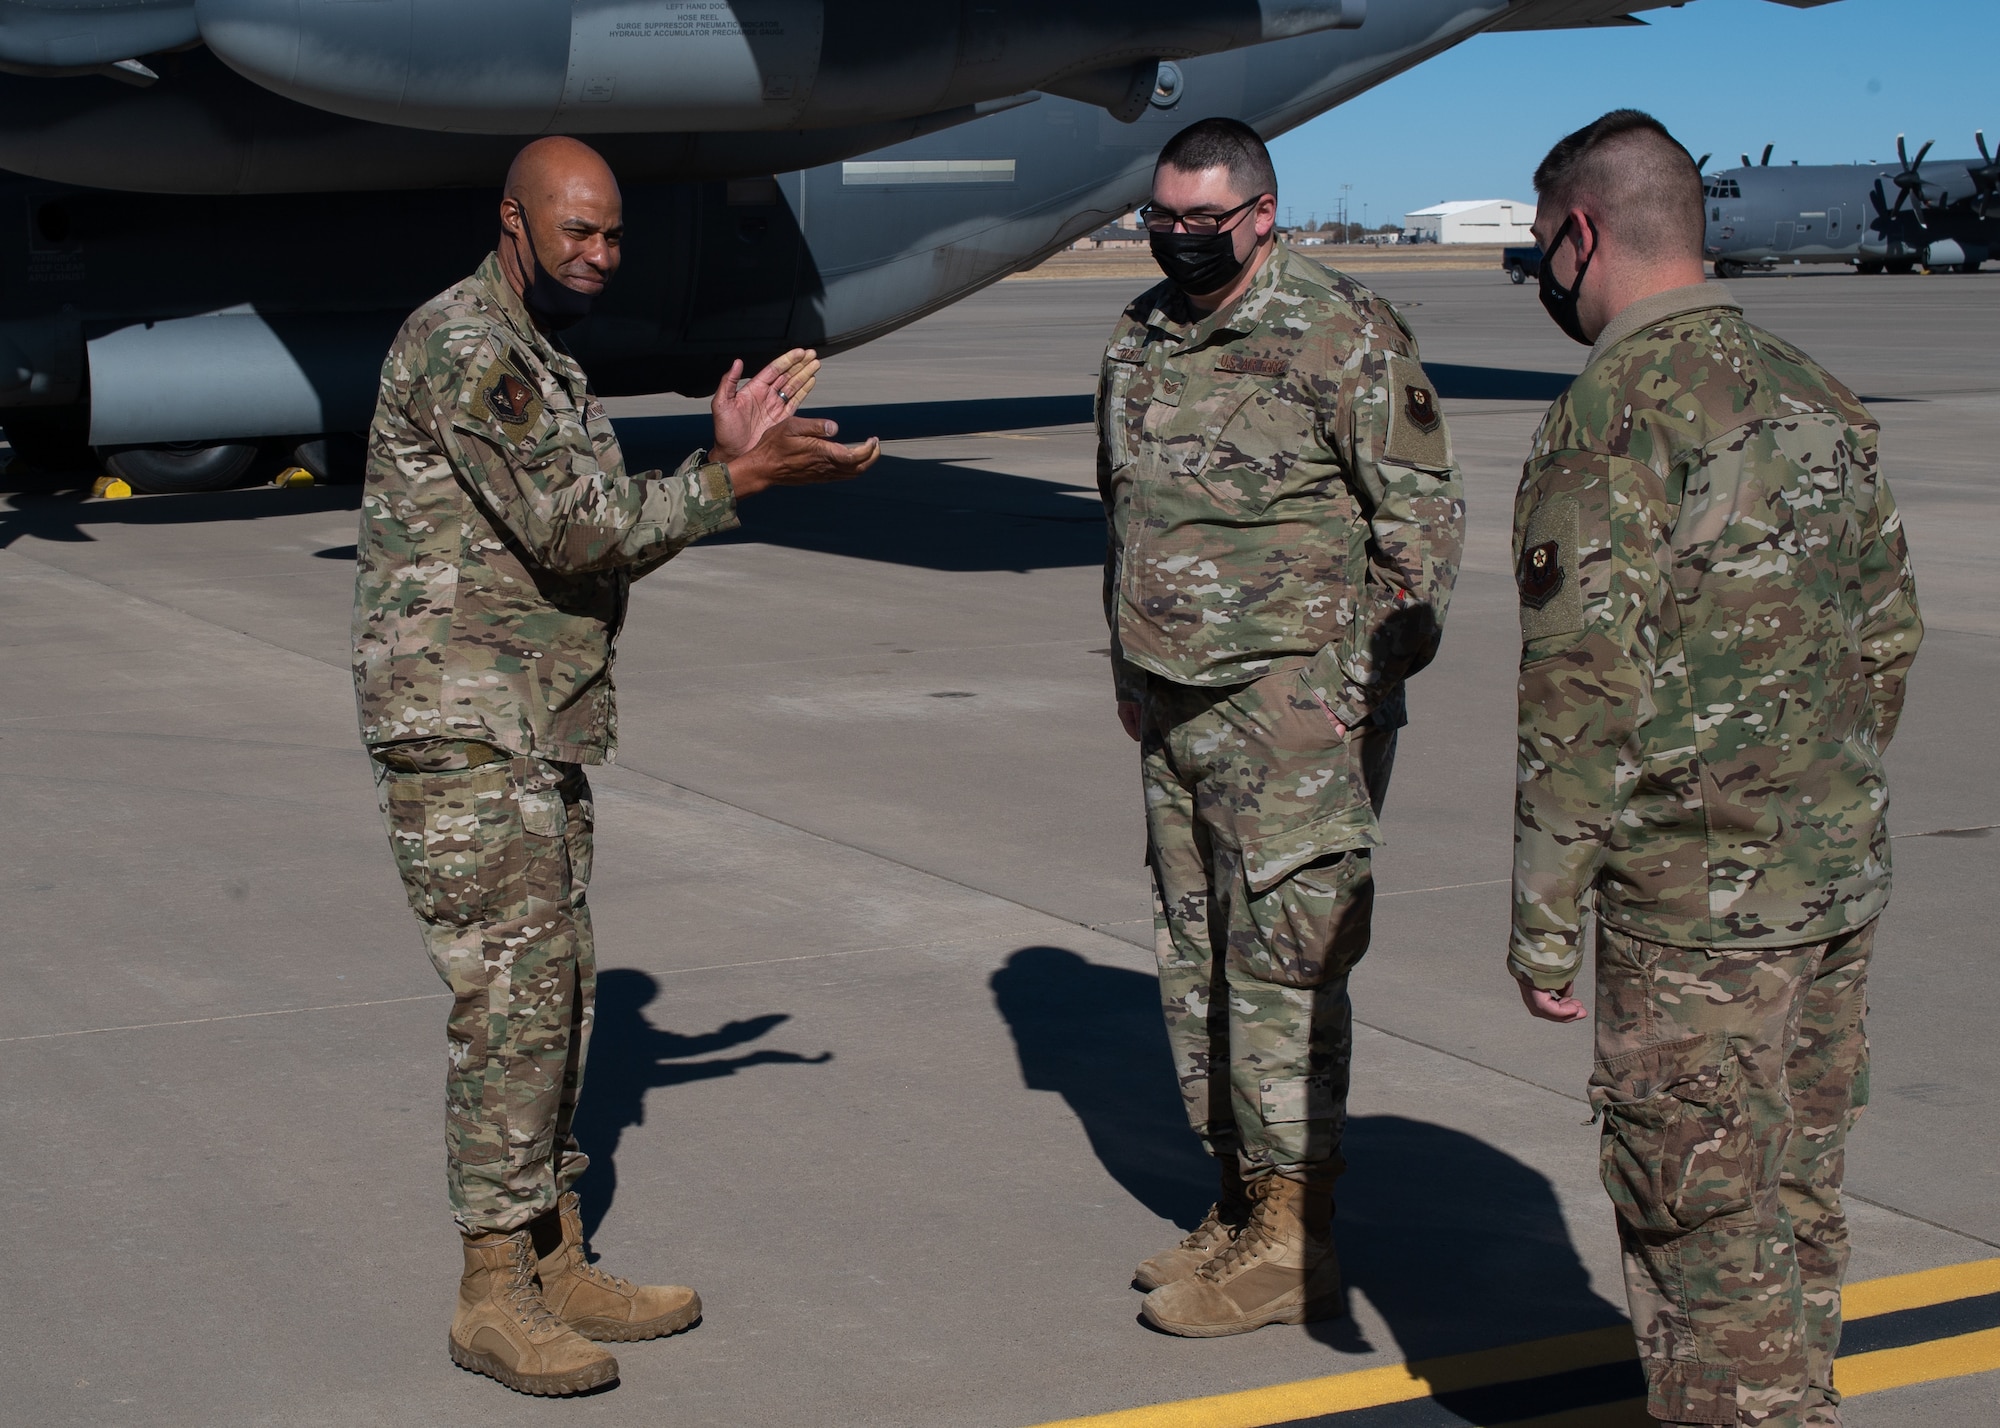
(1559, 300)
(554, 305)
(1197, 263)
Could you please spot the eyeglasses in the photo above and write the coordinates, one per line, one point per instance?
(1164, 220)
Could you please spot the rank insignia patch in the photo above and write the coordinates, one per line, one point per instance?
(1540, 577)
(510, 399)
(1421, 406)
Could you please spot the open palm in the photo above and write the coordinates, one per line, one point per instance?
(744, 411)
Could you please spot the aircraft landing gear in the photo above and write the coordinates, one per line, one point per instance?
(1726, 270)
(182, 467)
(1902, 269)
(1868, 267)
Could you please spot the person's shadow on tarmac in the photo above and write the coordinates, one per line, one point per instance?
(1457, 1244)
(629, 1056)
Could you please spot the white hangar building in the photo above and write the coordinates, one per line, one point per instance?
(1471, 220)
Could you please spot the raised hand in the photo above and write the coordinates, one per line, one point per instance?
(744, 411)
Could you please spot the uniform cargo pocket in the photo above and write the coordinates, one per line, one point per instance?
(1677, 1150)
(1304, 1098)
(473, 847)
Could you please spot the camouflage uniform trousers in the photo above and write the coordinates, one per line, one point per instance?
(496, 859)
(1254, 957)
(1728, 1081)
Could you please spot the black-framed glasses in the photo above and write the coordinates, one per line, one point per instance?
(1163, 220)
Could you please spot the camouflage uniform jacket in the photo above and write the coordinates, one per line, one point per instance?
(1717, 615)
(500, 534)
(1280, 487)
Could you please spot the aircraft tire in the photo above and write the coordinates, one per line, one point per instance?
(1901, 269)
(182, 467)
(1968, 267)
(1727, 270)
(1868, 269)
(51, 438)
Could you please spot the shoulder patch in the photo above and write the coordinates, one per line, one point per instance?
(1421, 405)
(1253, 366)
(1416, 424)
(1546, 578)
(510, 399)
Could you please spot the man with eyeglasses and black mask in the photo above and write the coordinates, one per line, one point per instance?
(500, 536)
(1286, 523)
(1718, 616)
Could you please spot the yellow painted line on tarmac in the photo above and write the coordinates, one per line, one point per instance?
(1401, 1383)
(1920, 1290)
(1918, 1363)
(1371, 1388)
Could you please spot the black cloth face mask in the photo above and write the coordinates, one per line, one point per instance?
(1199, 263)
(554, 305)
(1561, 301)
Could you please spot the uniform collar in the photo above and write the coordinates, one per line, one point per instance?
(1655, 309)
(500, 295)
(1174, 316)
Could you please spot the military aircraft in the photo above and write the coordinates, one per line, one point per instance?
(227, 206)
(1868, 215)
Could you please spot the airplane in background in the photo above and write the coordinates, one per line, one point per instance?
(1873, 217)
(226, 207)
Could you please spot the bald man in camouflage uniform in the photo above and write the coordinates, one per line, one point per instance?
(1285, 530)
(500, 536)
(1717, 617)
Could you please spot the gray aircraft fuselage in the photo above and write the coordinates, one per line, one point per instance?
(212, 243)
(1844, 213)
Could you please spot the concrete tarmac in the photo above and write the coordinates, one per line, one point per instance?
(878, 1066)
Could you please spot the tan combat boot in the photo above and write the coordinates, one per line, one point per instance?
(1225, 1219)
(603, 1306)
(505, 1331)
(1280, 1269)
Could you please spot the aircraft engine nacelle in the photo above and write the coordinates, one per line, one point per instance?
(605, 66)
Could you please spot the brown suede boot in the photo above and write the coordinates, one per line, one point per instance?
(1280, 1269)
(1225, 1218)
(505, 1331)
(603, 1306)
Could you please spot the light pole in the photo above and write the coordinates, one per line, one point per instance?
(1345, 236)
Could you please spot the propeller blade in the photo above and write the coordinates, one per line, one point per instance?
(1766, 160)
(1902, 154)
(1701, 164)
(1979, 138)
(1920, 155)
(1746, 161)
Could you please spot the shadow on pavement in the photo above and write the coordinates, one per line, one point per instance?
(934, 512)
(56, 511)
(629, 1057)
(1456, 1243)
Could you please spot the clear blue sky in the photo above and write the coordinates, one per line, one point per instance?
(1833, 84)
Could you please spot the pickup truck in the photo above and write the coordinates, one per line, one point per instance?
(1521, 264)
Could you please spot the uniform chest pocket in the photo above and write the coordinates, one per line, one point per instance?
(1239, 439)
(1122, 401)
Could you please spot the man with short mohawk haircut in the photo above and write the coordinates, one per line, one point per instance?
(1717, 618)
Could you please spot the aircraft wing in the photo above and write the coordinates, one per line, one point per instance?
(1593, 14)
